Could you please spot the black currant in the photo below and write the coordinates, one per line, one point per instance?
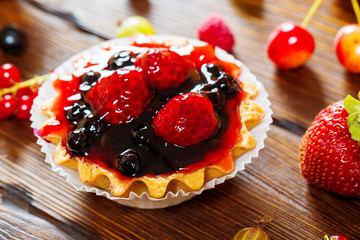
(88, 80)
(12, 40)
(216, 97)
(142, 135)
(76, 142)
(128, 163)
(121, 59)
(77, 111)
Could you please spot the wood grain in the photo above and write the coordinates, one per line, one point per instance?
(36, 203)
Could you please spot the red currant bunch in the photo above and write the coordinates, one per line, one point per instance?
(16, 96)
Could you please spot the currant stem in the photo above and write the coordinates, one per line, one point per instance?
(27, 83)
(356, 8)
(310, 13)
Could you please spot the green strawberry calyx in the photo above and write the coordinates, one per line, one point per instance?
(352, 106)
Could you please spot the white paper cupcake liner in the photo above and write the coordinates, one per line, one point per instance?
(71, 176)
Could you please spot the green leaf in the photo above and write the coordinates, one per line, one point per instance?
(352, 106)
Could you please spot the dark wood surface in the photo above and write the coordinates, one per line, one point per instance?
(36, 203)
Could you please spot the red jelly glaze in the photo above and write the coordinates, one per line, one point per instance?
(221, 155)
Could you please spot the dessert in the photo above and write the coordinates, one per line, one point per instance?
(110, 117)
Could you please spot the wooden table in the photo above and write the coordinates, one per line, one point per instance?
(36, 203)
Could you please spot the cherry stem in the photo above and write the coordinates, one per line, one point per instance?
(356, 8)
(28, 83)
(310, 13)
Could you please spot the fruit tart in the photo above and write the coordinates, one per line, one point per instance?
(151, 116)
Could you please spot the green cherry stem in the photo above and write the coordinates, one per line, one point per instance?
(28, 83)
(310, 13)
(356, 8)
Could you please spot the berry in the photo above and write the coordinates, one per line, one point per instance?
(347, 43)
(290, 46)
(77, 111)
(337, 237)
(164, 69)
(186, 120)
(76, 141)
(121, 59)
(134, 25)
(24, 106)
(88, 80)
(216, 32)
(253, 233)
(8, 105)
(216, 97)
(142, 135)
(128, 163)
(9, 74)
(12, 40)
(329, 155)
(218, 79)
(121, 96)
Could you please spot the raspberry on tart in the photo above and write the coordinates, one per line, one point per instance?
(124, 126)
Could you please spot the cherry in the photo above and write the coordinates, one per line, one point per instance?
(12, 40)
(8, 106)
(24, 105)
(337, 237)
(347, 43)
(290, 46)
(9, 74)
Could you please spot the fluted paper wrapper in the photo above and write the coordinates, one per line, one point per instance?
(71, 176)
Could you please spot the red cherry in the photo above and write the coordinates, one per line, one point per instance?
(8, 106)
(24, 106)
(9, 74)
(347, 45)
(338, 237)
(290, 46)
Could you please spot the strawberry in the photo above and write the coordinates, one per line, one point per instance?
(121, 96)
(186, 120)
(163, 68)
(329, 150)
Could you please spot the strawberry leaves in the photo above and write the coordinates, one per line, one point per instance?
(352, 106)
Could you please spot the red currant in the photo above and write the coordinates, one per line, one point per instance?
(8, 106)
(24, 106)
(9, 74)
(290, 46)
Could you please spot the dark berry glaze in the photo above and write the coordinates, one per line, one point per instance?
(132, 148)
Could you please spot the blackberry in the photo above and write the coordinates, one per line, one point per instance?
(128, 163)
(121, 59)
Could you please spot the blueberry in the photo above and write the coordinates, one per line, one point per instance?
(216, 97)
(142, 135)
(94, 127)
(77, 111)
(12, 40)
(128, 163)
(88, 80)
(76, 142)
(121, 59)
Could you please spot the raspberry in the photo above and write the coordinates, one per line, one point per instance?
(216, 32)
(186, 120)
(163, 68)
(121, 96)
